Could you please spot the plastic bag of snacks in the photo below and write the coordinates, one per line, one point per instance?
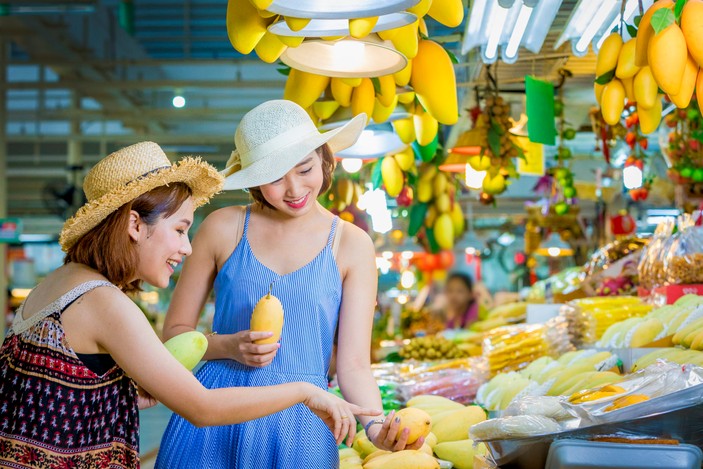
(652, 254)
(457, 384)
(605, 259)
(518, 426)
(683, 260)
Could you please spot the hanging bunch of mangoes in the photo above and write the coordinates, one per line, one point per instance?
(663, 56)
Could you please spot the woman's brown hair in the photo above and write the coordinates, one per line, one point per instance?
(110, 250)
(328, 165)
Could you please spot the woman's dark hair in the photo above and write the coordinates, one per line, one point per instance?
(110, 250)
(461, 276)
(328, 165)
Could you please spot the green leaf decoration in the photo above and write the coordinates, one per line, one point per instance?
(426, 152)
(284, 71)
(417, 218)
(376, 85)
(662, 19)
(637, 20)
(631, 30)
(606, 78)
(678, 9)
(432, 241)
(412, 178)
(452, 56)
(376, 176)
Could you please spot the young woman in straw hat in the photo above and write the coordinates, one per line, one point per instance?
(68, 370)
(323, 271)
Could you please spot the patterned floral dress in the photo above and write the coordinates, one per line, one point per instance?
(55, 413)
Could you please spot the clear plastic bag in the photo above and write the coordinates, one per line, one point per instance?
(683, 258)
(545, 406)
(604, 259)
(457, 384)
(651, 256)
(518, 426)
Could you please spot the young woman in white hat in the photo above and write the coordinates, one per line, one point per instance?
(322, 269)
(68, 370)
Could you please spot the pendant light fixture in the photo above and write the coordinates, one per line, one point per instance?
(340, 27)
(338, 9)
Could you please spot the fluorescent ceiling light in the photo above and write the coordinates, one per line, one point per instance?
(346, 58)
(631, 9)
(579, 20)
(330, 28)
(510, 52)
(593, 27)
(508, 24)
(338, 9)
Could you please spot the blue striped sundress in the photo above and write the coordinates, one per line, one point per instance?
(295, 437)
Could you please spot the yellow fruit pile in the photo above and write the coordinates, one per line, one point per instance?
(510, 348)
(344, 193)
(509, 313)
(682, 321)
(672, 354)
(572, 372)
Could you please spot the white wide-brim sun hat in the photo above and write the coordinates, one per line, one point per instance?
(274, 137)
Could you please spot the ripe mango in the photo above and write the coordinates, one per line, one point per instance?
(457, 219)
(613, 101)
(444, 231)
(402, 78)
(268, 317)
(381, 113)
(404, 39)
(692, 28)
(456, 427)
(434, 82)
(304, 88)
(387, 90)
(426, 127)
(645, 88)
(645, 31)
(494, 184)
(392, 176)
(608, 54)
(688, 84)
(629, 84)
(363, 97)
(626, 67)
(188, 348)
(667, 55)
(296, 24)
(324, 109)
(650, 118)
(270, 47)
(405, 159)
(363, 445)
(417, 420)
(245, 27)
(405, 128)
(341, 91)
(460, 453)
(448, 12)
(626, 401)
(362, 27)
(407, 459)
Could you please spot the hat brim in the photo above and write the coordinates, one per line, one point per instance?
(202, 178)
(267, 169)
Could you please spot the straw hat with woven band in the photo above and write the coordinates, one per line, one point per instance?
(274, 137)
(130, 172)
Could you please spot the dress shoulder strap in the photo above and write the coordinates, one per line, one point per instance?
(241, 222)
(20, 324)
(337, 236)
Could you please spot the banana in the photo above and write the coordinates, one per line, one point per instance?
(304, 88)
(245, 27)
(448, 12)
(434, 82)
(362, 27)
(270, 47)
(362, 99)
(341, 92)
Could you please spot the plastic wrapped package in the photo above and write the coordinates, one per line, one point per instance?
(517, 426)
(652, 254)
(545, 406)
(606, 257)
(457, 384)
(514, 347)
(683, 259)
(589, 318)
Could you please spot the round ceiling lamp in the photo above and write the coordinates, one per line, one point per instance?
(332, 28)
(372, 144)
(338, 9)
(344, 115)
(346, 58)
(468, 143)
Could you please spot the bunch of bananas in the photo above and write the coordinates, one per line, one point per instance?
(431, 348)
(571, 372)
(436, 217)
(683, 320)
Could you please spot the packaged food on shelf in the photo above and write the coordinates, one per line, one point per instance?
(589, 318)
(651, 255)
(457, 384)
(517, 426)
(683, 258)
(604, 262)
(432, 348)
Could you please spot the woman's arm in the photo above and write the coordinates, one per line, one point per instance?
(211, 250)
(357, 260)
(122, 330)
